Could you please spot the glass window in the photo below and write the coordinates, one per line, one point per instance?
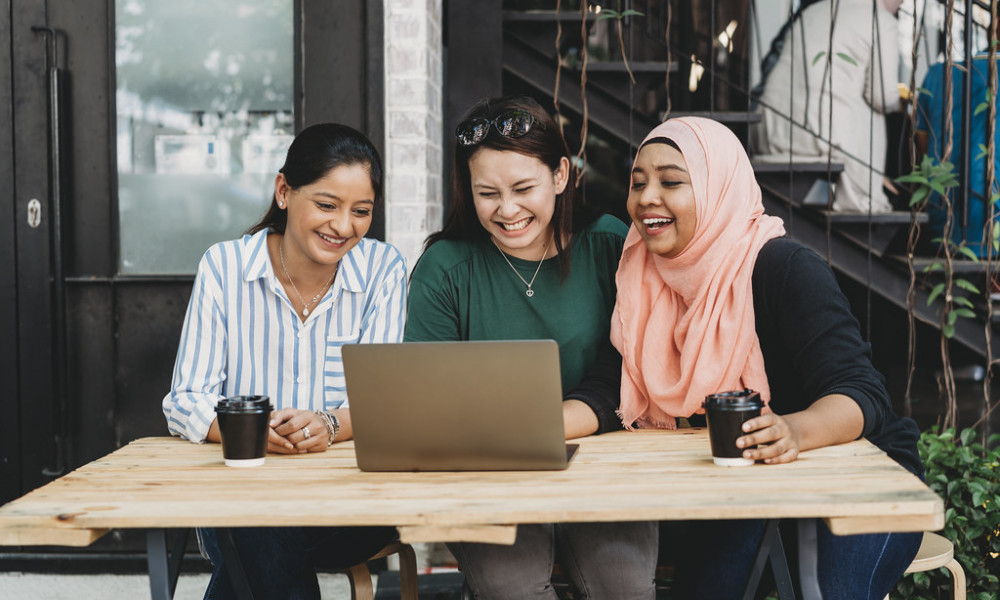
(204, 100)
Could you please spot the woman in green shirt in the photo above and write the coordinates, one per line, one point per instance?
(520, 257)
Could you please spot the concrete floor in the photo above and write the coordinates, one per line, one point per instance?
(35, 586)
(194, 577)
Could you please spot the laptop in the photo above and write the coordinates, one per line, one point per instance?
(457, 406)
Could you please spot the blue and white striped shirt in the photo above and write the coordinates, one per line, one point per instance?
(241, 335)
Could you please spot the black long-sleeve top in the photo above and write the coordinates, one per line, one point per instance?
(812, 348)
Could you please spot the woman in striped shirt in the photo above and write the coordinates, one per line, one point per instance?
(268, 315)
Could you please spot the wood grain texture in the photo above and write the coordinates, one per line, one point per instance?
(493, 534)
(649, 475)
(31, 535)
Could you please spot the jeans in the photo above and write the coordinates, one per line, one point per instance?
(713, 559)
(280, 562)
(615, 561)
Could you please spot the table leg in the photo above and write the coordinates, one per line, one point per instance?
(231, 557)
(770, 549)
(808, 560)
(164, 561)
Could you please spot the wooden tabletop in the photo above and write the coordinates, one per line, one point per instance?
(649, 475)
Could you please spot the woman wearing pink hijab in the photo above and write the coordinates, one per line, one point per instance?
(712, 298)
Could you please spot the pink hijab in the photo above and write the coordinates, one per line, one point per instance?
(685, 325)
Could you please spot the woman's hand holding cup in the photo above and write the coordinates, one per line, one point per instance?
(771, 438)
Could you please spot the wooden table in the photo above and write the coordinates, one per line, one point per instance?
(166, 483)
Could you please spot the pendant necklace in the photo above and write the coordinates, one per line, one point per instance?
(316, 298)
(529, 292)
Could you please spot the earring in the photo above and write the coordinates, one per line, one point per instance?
(281, 205)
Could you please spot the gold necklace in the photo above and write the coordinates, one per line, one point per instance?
(529, 292)
(316, 298)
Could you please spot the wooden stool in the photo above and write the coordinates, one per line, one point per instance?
(935, 552)
(361, 578)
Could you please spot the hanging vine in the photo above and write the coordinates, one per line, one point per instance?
(991, 229)
(951, 415)
(581, 155)
(555, 90)
(939, 177)
(619, 16)
(666, 77)
(914, 232)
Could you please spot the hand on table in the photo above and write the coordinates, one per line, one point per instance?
(779, 440)
(287, 432)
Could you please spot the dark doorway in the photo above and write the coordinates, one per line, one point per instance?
(87, 343)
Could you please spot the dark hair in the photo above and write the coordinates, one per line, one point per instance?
(544, 142)
(315, 151)
(661, 140)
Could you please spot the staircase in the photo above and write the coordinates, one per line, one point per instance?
(865, 248)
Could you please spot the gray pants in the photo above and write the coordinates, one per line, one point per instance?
(614, 561)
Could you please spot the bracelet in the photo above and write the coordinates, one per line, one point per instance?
(332, 425)
(329, 427)
(336, 426)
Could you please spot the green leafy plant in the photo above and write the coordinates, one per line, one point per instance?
(930, 175)
(956, 305)
(967, 476)
(843, 56)
(933, 176)
(619, 16)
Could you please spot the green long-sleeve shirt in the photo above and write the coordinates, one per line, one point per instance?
(465, 290)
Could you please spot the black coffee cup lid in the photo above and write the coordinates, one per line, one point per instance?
(733, 400)
(244, 404)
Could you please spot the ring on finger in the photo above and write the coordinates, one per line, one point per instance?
(305, 432)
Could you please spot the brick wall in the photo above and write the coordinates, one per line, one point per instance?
(413, 113)
(413, 109)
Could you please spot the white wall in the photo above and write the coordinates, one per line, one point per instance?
(413, 113)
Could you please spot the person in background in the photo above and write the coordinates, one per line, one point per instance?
(268, 315)
(931, 141)
(520, 257)
(828, 96)
(713, 298)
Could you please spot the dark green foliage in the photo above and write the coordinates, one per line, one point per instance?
(967, 477)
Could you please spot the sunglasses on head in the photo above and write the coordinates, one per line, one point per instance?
(510, 123)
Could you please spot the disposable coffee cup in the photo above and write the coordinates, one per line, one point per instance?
(725, 413)
(243, 427)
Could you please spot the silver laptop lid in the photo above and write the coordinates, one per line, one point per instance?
(456, 406)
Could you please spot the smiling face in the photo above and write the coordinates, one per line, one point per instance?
(515, 197)
(661, 201)
(327, 217)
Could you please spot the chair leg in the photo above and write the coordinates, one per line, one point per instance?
(957, 579)
(407, 573)
(361, 582)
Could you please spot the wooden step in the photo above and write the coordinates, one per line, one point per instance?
(542, 40)
(544, 16)
(536, 68)
(863, 218)
(642, 66)
(876, 231)
(722, 116)
(959, 266)
(820, 168)
(801, 188)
